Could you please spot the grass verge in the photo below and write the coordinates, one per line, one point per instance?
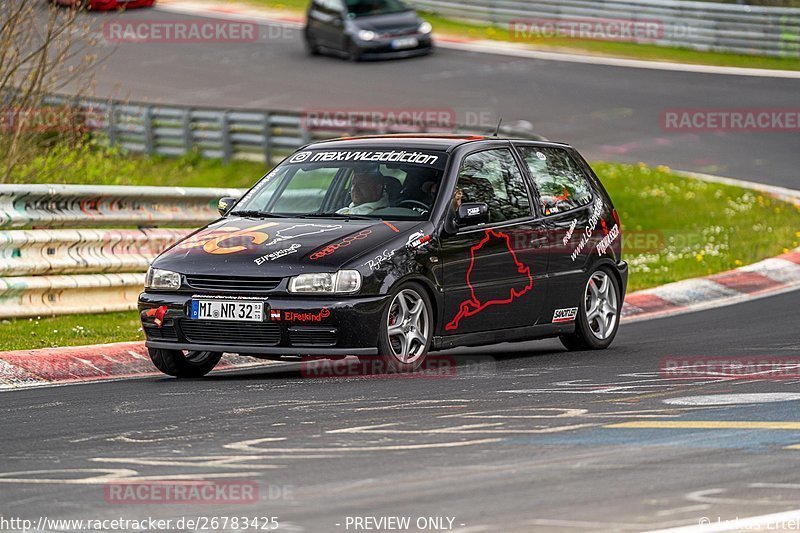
(448, 27)
(673, 228)
(90, 164)
(70, 330)
(676, 228)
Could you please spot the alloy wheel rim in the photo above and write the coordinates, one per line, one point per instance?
(408, 326)
(601, 305)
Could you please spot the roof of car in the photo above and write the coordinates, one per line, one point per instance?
(422, 141)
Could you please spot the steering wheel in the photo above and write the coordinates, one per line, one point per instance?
(415, 205)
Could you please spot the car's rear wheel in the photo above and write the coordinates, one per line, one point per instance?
(406, 329)
(598, 315)
(184, 363)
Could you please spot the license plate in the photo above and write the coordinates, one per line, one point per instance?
(410, 42)
(222, 310)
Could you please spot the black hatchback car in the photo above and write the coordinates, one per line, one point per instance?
(362, 29)
(394, 246)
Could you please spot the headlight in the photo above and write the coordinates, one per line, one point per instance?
(425, 27)
(162, 279)
(339, 282)
(366, 35)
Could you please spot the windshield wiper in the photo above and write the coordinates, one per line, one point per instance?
(258, 214)
(342, 216)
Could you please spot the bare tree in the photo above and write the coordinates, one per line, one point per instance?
(43, 50)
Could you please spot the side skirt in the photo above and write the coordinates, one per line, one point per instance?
(482, 338)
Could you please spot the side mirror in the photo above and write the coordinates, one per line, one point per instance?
(225, 205)
(472, 213)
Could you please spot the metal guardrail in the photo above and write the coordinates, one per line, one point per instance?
(46, 271)
(31, 296)
(58, 206)
(216, 133)
(81, 251)
(708, 26)
(256, 135)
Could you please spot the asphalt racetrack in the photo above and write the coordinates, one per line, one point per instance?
(606, 112)
(521, 437)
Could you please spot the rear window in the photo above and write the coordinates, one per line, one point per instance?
(560, 181)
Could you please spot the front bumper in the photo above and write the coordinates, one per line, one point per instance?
(303, 326)
(383, 48)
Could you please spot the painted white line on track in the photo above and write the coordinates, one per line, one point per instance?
(734, 399)
(508, 49)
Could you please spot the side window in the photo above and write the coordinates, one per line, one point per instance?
(492, 177)
(559, 180)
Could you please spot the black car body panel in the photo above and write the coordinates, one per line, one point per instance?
(505, 280)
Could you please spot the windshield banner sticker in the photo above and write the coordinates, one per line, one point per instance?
(392, 156)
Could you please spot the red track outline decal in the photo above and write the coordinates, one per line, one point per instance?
(473, 306)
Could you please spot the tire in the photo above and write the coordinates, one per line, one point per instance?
(184, 364)
(353, 52)
(312, 48)
(395, 331)
(596, 327)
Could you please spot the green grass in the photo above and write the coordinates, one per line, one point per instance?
(676, 228)
(461, 28)
(71, 330)
(90, 164)
(698, 229)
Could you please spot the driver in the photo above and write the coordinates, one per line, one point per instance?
(367, 193)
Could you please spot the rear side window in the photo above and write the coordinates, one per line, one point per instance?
(492, 177)
(559, 180)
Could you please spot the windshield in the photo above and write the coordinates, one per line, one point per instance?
(387, 184)
(367, 8)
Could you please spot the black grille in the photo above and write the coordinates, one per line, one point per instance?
(164, 333)
(398, 33)
(312, 336)
(232, 283)
(231, 333)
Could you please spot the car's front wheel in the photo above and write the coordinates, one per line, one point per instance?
(406, 329)
(598, 315)
(312, 48)
(183, 363)
(353, 52)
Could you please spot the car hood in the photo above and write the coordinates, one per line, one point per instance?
(278, 247)
(407, 20)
